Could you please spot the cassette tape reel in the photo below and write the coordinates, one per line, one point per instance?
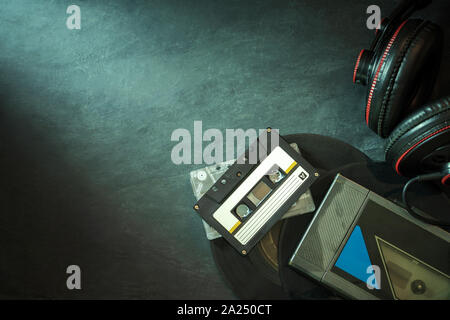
(253, 194)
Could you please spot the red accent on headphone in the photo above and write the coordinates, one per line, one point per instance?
(357, 65)
(407, 151)
(375, 79)
(445, 179)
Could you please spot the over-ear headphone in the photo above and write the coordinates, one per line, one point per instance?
(400, 69)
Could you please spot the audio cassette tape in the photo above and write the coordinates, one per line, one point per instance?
(203, 179)
(256, 190)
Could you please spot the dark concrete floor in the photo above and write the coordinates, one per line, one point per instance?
(86, 118)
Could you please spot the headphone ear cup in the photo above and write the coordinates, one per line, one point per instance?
(405, 74)
(416, 137)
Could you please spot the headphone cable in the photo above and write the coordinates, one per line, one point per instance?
(411, 211)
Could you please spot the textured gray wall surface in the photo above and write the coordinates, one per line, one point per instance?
(86, 118)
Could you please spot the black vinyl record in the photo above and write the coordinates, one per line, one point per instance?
(254, 276)
(257, 275)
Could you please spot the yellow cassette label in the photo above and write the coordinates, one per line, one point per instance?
(291, 166)
(235, 226)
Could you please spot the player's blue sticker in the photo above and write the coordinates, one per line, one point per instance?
(354, 258)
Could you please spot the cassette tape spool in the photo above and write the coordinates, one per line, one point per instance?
(253, 194)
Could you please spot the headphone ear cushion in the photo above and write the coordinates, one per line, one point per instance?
(417, 136)
(405, 74)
